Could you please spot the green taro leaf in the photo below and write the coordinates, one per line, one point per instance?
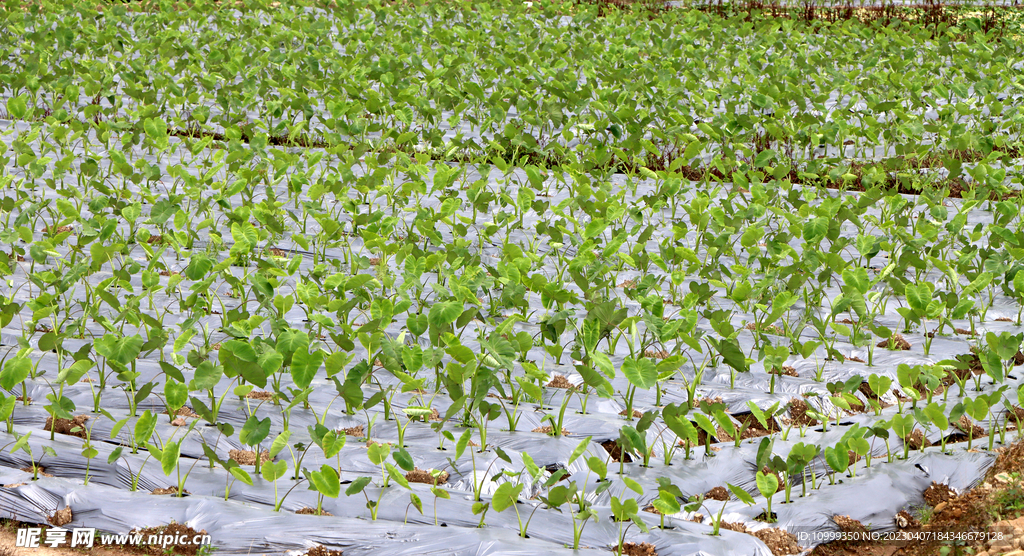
(642, 373)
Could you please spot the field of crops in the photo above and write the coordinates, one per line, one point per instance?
(503, 278)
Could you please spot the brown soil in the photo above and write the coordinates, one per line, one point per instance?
(60, 517)
(636, 413)
(964, 332)
(898, 342)
(185, 411)
(848, 525)
(905, 520)
(70, 427)
(155, 238)
(714, 400)
(559, 381)
(22, 398)
(627, 284)
(168, 490)
(248, 457)
(659, 354)
(615, 452)
(855, 359)
(1004, 319)
(779, 541)
(651, 509)
(435, 415)
(548, 429)
(424, 476)
(798, 413)
(719, 493)
(785, 370)
(356, 431)
(782, 484)
(56, 229)
(916, 440)
(260, 395)
(1015, 414)
(312, 511)
(39, 469)
(321, 550)
(737, 527)
(868, 393)
(969, 428)
(13, 485)
(754, 427)
(638, 549)
(177, 530)
(766, 328)
(179, 422)
(938, 493)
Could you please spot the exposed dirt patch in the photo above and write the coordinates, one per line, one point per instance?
(70, 427)
(637, 414)
(176, 530)
(1018, 358)
(548, 429)
(312, 511)
(356, 431)
(179, 422)
(719, 493)
(738, 527)
(435, 415)
(784, 370)
(848, 525)
(321, 550)
(638, 549)
(964, 332)
(868, 393)
(260, 395)
(559, 381)
(248, 457)
(905, 520)
(897, 342)
(938, 493)
(916, 440)
(798, 413)
(60, 517)
(656, 354)
(855, 359)
(184, 411)
(754, 427)
(22, 399)
(1004, 319)
(424, 476)
(168, 490)
(780, 542)
(969, 428)
(615, 451)
(39, 469)
(1016, 414)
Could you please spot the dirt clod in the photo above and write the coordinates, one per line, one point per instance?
(656, 354)
(798, 413)
(168, 490)
(312, 511)
(897, 341)
(248, 457)
(70, 427)
(637, 414)
(780, 542)
(969, 428)
(321, 550)
(171, 530)
(559, 381)
(356, 431)
(615, 451)
(547, 429)
(638, 549)
(848, 525)
(425, 476)
(916, 440)
(60, 517)
(39, 469)
(719, 493)
(260, 395)
(938, 493)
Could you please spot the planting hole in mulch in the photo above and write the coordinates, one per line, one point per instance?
(938, 493)
(424, 476)
(780, 542)
(969, 428)
(260, 395)
(737, 527)
(60, 517)
(39, 469)
(638, 549)
(798, 413)
(184, 411)
(754, 427)
(70, 427)
(171, 530)
(897, 341)
(656, 354)
(855, 359)
(615, 451)
(916, 440)
(763, 516)
(356, 431)
(248, 457)
(719, 493)
(312, 511)
(784, 370)
(965, 332)
(321, 550)
(547, 429)
(559, 381)
(168, 490)
(637, 414)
